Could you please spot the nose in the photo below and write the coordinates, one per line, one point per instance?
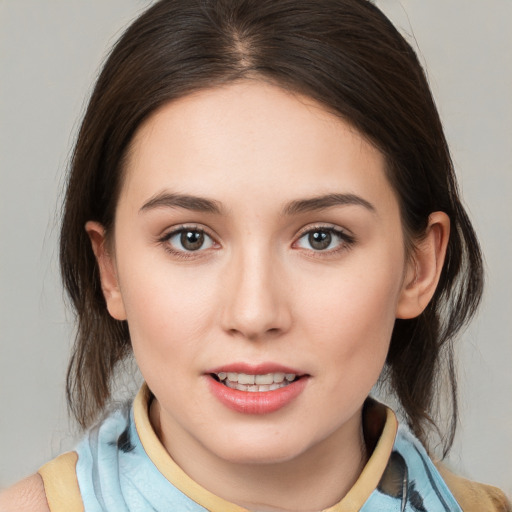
(256, 301)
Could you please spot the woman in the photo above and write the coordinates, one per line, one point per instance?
(262, 206)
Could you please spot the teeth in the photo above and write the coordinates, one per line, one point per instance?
(255, 383)
(264, 379)
(278, 377)
(268, 378)
(255, 388)
(244, 378)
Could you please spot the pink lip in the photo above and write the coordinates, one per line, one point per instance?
(252, 369)
(264, 402)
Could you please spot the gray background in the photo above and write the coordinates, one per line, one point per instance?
(50, 52)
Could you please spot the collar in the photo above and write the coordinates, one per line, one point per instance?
(381, 438)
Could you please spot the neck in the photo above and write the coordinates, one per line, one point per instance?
(313, 481)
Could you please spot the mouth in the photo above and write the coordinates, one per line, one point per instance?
(255, 383)
(256, 389)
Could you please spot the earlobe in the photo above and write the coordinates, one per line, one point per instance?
(424, 268)
(108, 274)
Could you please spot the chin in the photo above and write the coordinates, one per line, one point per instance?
(270, 449)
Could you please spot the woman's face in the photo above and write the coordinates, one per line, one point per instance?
(256, 235)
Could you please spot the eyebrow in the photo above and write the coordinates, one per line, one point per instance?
(326, 201)
(202, 204)
(188, 202)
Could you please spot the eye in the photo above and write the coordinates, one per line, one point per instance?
(324, 239)
(188, 240)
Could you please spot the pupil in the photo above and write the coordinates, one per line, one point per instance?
(320, 239)
(192, 240)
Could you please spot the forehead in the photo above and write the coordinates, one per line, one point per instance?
(255, 137)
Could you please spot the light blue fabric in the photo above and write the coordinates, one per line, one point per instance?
(115, 474)
(418, 486)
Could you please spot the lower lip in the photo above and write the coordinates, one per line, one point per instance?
(256, 402)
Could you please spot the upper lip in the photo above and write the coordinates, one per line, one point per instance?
(255, 369)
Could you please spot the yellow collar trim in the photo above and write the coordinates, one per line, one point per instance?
(373, 471)
(353, 501)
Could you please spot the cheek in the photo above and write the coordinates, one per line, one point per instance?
(351, 317)
(168, 311)
(167, 330)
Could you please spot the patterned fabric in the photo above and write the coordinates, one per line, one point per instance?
(411, 482)
(116, 474)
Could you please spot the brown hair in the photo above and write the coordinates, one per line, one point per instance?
(343, 53)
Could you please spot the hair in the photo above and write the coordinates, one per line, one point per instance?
(346, 55)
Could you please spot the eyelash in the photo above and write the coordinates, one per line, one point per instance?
(185, 254)
(346, 241)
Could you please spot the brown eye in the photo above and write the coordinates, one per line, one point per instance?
(319, 240)
(192, 240)
(188, 240)
(325, 239)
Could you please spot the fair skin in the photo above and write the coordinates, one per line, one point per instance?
(296, 259)
(27, 495)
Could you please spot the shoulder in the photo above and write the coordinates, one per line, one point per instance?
(473, 496)
(54, 487)
(27, 495)
(61, 483)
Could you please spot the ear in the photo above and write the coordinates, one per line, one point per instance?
(108, 274)
(424, 267)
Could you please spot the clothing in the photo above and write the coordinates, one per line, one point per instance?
(121, 466)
